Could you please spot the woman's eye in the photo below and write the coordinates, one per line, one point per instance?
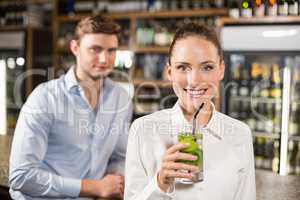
(181, 67)
(208, 67)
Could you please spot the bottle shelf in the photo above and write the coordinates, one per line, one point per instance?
(266, 135)
(66, 50)
(259, 20)
(22, 28)
(295, 138)
(159, 83)
(182, 13)
(152, 49)
(8, 2)
(159, 14)
(147, 97)
(256, 99)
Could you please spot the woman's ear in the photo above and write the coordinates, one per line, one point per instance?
(169, 72)
(74, 47)
(222, 70)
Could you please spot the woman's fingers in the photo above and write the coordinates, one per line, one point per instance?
(179, 166)
(172, 169)
(179, 156)
(177, 174)
(177, 147)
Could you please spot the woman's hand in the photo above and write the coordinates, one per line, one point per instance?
(172, 169)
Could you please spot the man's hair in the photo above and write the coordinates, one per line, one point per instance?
(194, 29)
(96, 24)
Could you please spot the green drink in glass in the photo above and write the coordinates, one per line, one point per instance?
(195, 149)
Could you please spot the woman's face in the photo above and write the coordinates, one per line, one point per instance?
(195, 71)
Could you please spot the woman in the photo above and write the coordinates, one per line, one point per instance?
(153, 172)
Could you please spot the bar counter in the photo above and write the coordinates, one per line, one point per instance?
(268, 185)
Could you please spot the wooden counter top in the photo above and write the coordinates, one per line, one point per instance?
(268, 185)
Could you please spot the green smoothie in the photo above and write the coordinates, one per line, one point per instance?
(194, 148)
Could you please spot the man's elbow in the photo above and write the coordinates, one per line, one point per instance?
(17, 181)
(25, 182)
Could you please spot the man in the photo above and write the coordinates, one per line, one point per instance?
(72, 130)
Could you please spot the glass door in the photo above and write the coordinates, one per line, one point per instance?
(252, 93)
(12, 66)
(293, 151)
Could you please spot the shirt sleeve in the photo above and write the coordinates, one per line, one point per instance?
(138, 184)
(117, 161)
(247, 189)
(29, 148)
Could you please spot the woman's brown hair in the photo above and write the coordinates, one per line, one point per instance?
(194, 29)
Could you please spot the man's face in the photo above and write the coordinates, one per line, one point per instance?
(95, 55)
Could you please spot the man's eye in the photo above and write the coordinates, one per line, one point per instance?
(95, 50)
(112, 51)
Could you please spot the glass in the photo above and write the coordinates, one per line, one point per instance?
(195, 149)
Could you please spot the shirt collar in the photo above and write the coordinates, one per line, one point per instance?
(70, 79)
(72, 82)
(212, 127)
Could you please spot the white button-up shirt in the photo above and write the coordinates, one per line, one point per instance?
(228, 158)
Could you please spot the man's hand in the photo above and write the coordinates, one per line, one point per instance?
(172, 169)
(110, 186)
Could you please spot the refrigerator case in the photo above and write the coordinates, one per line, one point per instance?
(12, 65)
(25, 62)
(261, 88)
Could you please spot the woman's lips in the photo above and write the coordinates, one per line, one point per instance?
(196, 93)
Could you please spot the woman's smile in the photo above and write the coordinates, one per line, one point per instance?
(195, 93)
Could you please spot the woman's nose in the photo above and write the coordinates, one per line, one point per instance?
(194, 78)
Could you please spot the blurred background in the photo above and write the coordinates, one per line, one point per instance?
(261, 42)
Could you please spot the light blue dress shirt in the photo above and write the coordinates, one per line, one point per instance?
(60, 140)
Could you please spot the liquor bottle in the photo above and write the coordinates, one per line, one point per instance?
(233, 109)
(205, 3)
(260, 124)
(293, 122)
(255, 79)
(219, 3)
(265, 83)
(244, 83)
(293, 7)
(292, 153)
(259, 8)
(297, 170)
(269, 154)
(243, 115)
(2, 16)
(275, 161)
(272, 8)
(234, 11)
(275, 89)
(283, 7)
(236, 77)
(259, 152)
(250, 116)
(246, 8)
(277, 117)
(269, 124)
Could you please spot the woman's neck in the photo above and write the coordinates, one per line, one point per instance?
(203, 117)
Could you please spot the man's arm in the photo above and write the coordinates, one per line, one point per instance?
(29, 148)
(120, 128)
